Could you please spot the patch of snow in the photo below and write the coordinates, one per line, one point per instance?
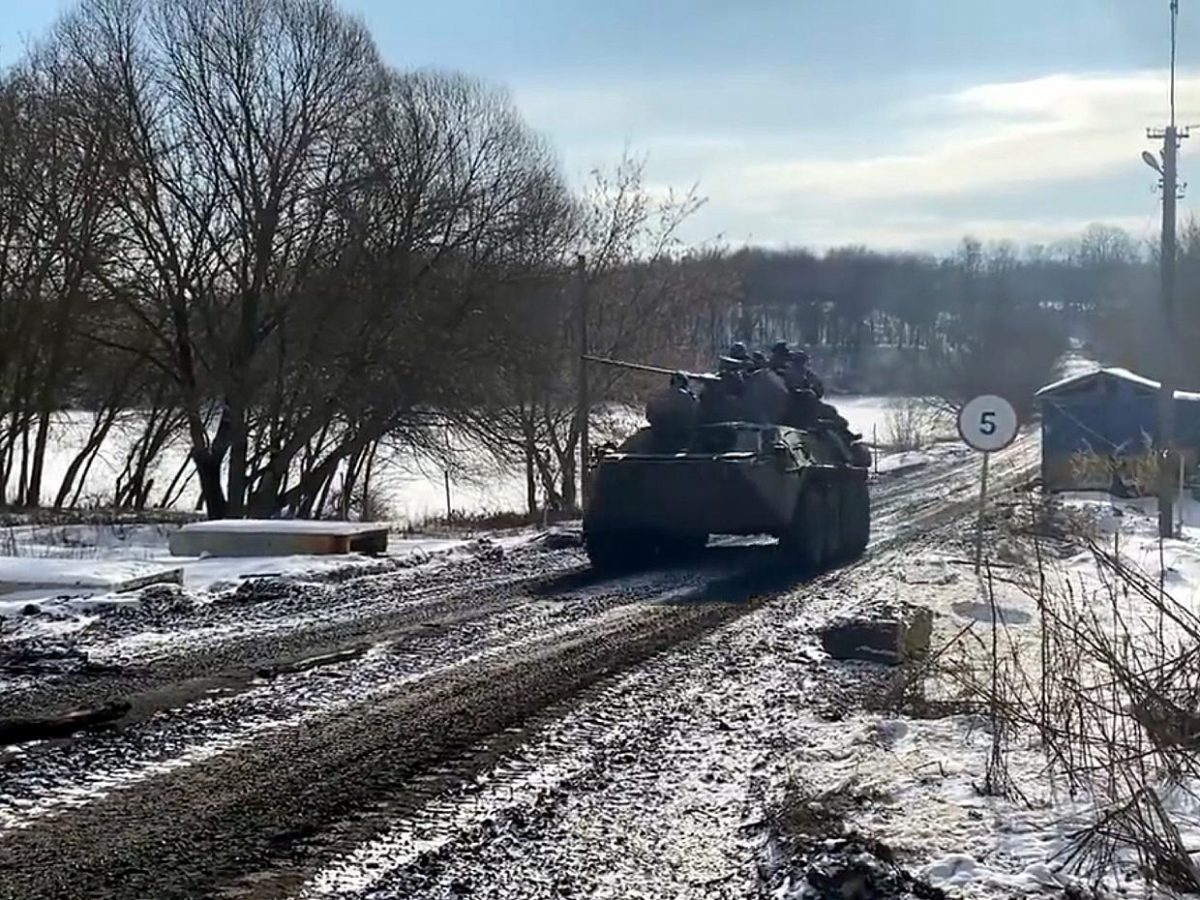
(73, 573)
(213, 574)
(68, 591)
(1136, 514)
(902, 462)
(1083, 374)
(866, 415)
(985, 846)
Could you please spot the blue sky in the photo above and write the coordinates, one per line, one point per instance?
(894, 123)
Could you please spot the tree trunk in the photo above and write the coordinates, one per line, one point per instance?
(83, 459)
(208, 470)
(366, 485)
(322, 500)
(569, 488)
(171, 495)
(23, 484)
(238, 452)
(34, 497)
(530, 482)
(208, 465)
(348, 482)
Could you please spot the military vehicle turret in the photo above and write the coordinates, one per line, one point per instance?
(660, 494)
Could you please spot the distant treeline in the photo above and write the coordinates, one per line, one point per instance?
(992, 316)
(231, 223)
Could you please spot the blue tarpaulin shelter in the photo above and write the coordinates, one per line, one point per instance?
(1099, 429)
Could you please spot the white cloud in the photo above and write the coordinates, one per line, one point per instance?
(992, 137)
(912, 170)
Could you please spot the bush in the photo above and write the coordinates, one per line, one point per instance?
(910, 424)
(1107, 685)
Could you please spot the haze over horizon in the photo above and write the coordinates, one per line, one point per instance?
(898, 126)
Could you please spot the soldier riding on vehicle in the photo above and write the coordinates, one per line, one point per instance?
(672, 414)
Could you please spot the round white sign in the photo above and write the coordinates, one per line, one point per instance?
(988, 423)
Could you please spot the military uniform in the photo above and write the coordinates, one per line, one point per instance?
(766, 397)
(672, 410)
(673, 413)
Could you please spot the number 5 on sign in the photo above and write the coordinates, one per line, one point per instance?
(987, 423)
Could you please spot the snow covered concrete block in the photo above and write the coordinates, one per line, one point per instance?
(278, 537)
(891, 638)
(29, 578)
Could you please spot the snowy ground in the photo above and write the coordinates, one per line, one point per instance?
(66, 573)
(525, 724)
(932, 769)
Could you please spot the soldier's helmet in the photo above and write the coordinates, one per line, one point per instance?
(800, 355)
(737, 350)
(780, 349)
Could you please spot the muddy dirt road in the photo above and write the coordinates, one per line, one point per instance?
(500, 724)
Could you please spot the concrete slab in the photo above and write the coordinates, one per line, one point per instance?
(30, 574)
(278, 537)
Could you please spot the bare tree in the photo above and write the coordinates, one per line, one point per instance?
(58, 189)
(645, 300)
(242, 125)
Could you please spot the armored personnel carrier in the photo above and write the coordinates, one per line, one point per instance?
(661, 493)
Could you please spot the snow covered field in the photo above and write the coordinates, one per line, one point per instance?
(75, 568)
(411, 489)
(1017, 837)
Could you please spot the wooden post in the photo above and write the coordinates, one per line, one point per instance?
(1179, 496)
(446, 475)
(584, 410)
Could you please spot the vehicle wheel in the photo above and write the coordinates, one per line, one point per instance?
(836, 514)
(804, 541)
(681, 546)
(858, 522)
(614, 551)
(860, 455)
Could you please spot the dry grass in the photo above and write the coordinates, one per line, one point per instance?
(807, 811)
(1107, 684)
(910, 423)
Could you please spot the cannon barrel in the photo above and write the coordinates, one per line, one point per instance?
(642, 367)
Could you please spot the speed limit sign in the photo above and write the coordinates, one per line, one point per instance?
(988, 423)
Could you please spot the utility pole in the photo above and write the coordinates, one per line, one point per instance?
(585, 405)
(1171, 137)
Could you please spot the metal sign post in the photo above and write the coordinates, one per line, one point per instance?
(982, 506)
(987, 423)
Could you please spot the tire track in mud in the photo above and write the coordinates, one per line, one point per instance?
(36, 784)
(229, 639)
(620, 727)
(248, 807)
(173, 836)
(678, 742)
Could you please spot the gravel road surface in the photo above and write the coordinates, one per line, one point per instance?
(499, 723)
